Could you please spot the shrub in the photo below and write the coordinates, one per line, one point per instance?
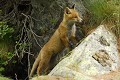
(5, 35)
(5, 31)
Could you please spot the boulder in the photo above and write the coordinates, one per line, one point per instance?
(50, 78)
(96, 57)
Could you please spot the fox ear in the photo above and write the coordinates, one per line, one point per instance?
(67, 10)
(73, 7)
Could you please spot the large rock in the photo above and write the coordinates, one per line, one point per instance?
(95, 56)
(50, 78)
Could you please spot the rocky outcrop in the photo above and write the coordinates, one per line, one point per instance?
(96, 57)
(50, 78)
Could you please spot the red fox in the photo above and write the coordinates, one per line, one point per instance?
(57, 42)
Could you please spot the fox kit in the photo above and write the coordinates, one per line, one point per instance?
(57, 42)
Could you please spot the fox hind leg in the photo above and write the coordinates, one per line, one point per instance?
(43, 64)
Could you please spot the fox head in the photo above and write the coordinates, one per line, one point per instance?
(71, 15)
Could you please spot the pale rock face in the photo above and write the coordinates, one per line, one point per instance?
(96, 55)
(50, 78)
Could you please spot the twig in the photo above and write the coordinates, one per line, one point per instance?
(33, 33)
(27, 17)
(29, 62)
(16, 76)
(19, 42)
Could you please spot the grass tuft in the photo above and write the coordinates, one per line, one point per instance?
(104, 12)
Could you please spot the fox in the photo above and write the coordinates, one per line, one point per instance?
(57, 42)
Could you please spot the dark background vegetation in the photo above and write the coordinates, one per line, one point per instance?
(26, 25)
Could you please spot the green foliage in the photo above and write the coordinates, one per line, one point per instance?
(4, 59)
(116, 28)
(104, 11)
(23, 46)
(100, 9)
(1, 69)
(53, 21)
(5, 31)
(4, 78)
(5, 35)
